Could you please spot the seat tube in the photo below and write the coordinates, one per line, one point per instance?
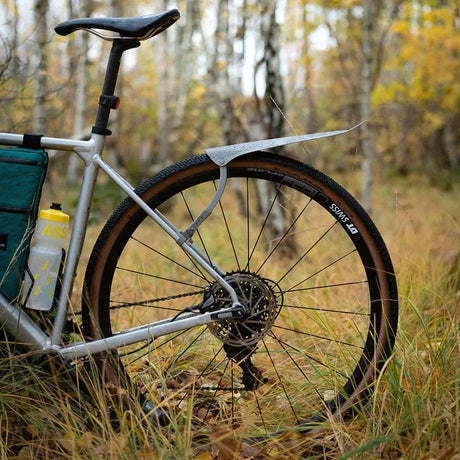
(75, 248)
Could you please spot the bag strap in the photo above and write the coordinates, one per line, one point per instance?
(32, 141)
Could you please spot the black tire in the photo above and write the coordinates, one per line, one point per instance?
(319, 283)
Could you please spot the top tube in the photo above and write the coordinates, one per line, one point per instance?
(54, 143)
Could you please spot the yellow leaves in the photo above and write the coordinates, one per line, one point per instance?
(337, 4)
(198, 91)
(386, 93)
(424, 70)
(434, 119)
(400, 27)
(437, 17)
(205, 455)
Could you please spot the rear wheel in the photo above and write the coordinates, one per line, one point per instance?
(301, 254)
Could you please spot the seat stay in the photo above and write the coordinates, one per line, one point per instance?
(140, 28)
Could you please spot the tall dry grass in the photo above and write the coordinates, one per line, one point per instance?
(413, 414)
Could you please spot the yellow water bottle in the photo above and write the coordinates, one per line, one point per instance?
(45, 258)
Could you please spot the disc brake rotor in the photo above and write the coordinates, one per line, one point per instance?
(262, 303)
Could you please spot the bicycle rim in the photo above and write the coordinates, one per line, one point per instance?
(300, 253)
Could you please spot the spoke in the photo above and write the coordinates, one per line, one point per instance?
(256, 396)
(228, 232)
(326, 286)
(263, 225)
(328, 310)
(322, 269)
(157, 347)
(307, 356)
(214, 358)
(176, 358)
(147, 344)
(233, 394)
(283, 237)
(308, 334)
(197, 230)
(308, 251)
(193, 262)
(275, 368)
(247, 222)
(217, 388)
(284, 345)
(137, 350)
(168, 258)
(149, 275)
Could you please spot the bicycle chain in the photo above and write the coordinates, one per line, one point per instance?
(159, 299)
(135, 304)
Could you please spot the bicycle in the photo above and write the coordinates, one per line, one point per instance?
(242, 285)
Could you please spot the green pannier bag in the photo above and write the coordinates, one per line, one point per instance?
(22, 173)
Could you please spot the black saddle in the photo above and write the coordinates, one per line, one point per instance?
(139, 28)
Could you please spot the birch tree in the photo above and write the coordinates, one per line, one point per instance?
(271, 120)
(40, 53)
(366, 86)
(225, 87)
(271, 106)
(80, 71)
(378, 17)
(9, 60)
(361, 67)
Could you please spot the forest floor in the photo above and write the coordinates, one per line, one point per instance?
(413, 414)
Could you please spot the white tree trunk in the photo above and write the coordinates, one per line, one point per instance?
(366, 87)
(41, 39)
(79, 126)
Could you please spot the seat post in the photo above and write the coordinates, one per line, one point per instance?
(107, 100)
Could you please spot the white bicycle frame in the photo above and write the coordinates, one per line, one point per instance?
(24, 329)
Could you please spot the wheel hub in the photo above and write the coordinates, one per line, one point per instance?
(263, 301)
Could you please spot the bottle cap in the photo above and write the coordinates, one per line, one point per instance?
(54, 214)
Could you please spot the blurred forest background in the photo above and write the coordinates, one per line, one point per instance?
(236, 70)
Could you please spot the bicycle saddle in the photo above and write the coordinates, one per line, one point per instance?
(140, 28)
